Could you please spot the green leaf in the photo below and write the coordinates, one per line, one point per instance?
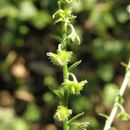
(103, 115)
(20, 124)
(41, 19)
(57, 38)
(49, 98)
(27, 10)
(75, 118)
(106, 72)
(57, 93)
(124, 64)
(73, 66)
(32, 113)
(110, 93)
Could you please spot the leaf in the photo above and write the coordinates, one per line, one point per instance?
(57, 38)
(75, 118)
(103, 115)
(124, 64)
(110, 93)
(57, 93)
(74, 65)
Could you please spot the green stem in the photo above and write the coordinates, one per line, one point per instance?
(66, 127)
(65, 72)
(65, 100)
(65, 75)
(115, 107)
(64, 35)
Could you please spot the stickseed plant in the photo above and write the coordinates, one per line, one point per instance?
(61, 58)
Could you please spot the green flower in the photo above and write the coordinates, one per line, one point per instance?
(74, 87)
(81, 125)
(62, 113)
(63, 16)
(61, 58)
(123, 116)
(73, 37)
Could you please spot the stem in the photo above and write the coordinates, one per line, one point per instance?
(65, 72)
(65, 75)
(66, 127)
(64, 35)
(115, 107)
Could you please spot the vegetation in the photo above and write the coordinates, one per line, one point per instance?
(27, 34)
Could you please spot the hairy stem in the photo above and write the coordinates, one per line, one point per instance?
(115, 107)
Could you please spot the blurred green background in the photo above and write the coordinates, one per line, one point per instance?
(26, 103)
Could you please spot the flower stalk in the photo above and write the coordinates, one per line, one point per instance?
(112, 115)
(64, 16)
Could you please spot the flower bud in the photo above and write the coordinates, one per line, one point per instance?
(62, 113)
